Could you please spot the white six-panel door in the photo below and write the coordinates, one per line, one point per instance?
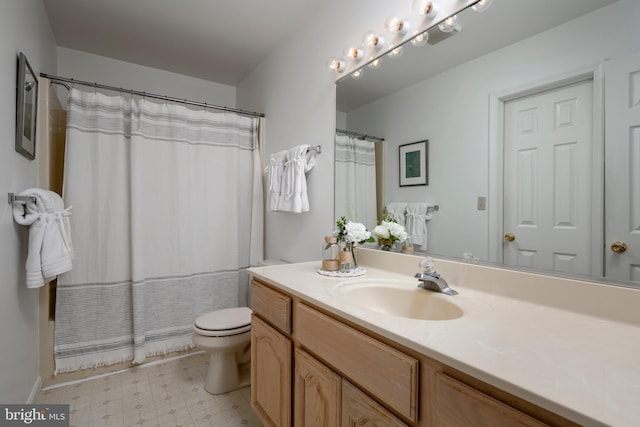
(547, 179)
(622, 168)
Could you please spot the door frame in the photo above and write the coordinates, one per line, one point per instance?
(496, 157)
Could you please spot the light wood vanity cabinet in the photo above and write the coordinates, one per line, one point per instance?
(319, 370)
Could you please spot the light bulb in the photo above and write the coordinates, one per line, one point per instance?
(420, 39)
(338, 65)
(482, 5)
(395, 52)
(397, 26)
(375, 64)
(450, 24)
(354, 54)
(357, 74)
(425, 8)
(372, 40)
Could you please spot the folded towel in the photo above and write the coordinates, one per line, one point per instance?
(274, 172)
(50, 250)
(397, 210)
(417, 217)
(293, 188)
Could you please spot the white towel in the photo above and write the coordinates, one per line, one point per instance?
(50, 249)
(274, 178)
(293, 188)
(397, 211)
(417, 217)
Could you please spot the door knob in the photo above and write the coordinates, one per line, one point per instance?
(509, 237)
(618, 247)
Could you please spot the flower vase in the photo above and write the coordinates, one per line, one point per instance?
(353, 254)
(385, 244)
(347, 256)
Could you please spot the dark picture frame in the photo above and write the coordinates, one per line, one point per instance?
(414, 163)
(26, 108)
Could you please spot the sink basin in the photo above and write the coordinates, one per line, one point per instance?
(400, 298)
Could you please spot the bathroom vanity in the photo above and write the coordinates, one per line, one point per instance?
(376, 349)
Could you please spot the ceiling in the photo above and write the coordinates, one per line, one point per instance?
(216, 40)
(504, 23)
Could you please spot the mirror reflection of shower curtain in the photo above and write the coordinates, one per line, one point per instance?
(167, 210)
(355, 180)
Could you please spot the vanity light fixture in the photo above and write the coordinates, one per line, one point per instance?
(420, 39)
(338, 65)
(354, 54)
(482, 5)
(425, 8)
(375, 64)
(396, 26)
(395, 52)
(357, 74)
(373, 41)
(450, 24)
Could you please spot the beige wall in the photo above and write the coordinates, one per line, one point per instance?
(23, 27)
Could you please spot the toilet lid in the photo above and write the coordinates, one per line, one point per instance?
(227, 319)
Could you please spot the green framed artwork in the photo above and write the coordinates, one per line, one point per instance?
(414, 166)
(26, 107)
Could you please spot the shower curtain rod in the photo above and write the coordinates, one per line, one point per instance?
(63, 80)
(359, 135)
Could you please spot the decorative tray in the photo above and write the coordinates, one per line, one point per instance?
(352, 273)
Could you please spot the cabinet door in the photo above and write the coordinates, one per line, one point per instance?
(270, 374)
(358, 409)
(317, 393)
(459, 405)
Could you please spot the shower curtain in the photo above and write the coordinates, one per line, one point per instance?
(355, 180)
(167, 215)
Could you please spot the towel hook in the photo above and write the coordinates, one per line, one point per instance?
(13, 198)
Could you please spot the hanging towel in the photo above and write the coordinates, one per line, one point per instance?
(397, 211)
(50, 250)
(417, 217)
(293, 188)
(274, 177)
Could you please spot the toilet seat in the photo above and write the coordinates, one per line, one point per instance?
(225, 322)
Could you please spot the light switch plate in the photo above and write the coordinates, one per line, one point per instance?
(482, 203)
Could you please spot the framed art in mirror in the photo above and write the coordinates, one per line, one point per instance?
(26, 106)
(414, 163)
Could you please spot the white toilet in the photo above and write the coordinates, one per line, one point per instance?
(226, 335)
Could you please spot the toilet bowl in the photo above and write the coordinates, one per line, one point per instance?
(226, 335)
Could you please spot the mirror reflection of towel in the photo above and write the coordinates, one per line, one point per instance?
(416, 224)
(397, 210)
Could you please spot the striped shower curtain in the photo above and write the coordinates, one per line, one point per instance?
(355, 175)
(167, 215)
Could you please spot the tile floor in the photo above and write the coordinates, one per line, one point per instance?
(170, 393)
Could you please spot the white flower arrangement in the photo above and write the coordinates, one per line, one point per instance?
(390, 230)
(352, 232)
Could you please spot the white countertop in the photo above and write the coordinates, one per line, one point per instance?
(582, 367)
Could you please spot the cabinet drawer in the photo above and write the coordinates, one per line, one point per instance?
(271, 305)
(459, 405)
(384, 372)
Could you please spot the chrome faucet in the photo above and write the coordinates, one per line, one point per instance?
(431, 280)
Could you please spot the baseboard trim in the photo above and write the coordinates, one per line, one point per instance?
(35, 391)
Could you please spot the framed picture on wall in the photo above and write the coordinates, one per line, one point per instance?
(414, 166)
(26, 107)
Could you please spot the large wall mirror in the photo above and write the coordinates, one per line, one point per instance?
(532, 113)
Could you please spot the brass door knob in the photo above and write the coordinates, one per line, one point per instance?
(618, 247)
(509, 237)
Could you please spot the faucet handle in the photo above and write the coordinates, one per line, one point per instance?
(427, 265)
